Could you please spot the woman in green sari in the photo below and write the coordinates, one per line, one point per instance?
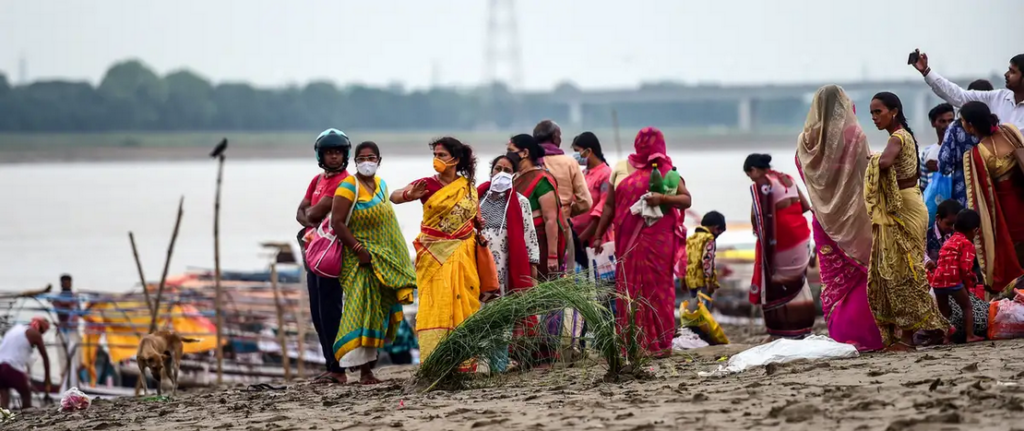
(377, 273)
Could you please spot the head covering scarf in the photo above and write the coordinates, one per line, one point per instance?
(833, 155)
(649, 148)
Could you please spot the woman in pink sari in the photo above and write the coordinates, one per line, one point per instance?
(645, 250)
(832, 155)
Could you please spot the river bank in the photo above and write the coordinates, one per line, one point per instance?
(976, 387)
(159, 146)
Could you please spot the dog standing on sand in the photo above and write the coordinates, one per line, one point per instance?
(160, 352)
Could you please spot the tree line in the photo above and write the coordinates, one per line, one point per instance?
(132, 97)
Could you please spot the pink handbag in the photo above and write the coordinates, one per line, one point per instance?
(323, 254)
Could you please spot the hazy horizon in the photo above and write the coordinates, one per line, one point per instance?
(420, 44)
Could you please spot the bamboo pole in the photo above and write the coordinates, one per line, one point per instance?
(300, 323)
(218, 152)
(142, 278)
(167, 265)
(281, 338)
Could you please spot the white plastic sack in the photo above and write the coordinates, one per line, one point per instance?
(602, 263)
(687, 340)
(814, 347)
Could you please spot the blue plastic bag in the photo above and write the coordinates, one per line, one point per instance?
(939, 189)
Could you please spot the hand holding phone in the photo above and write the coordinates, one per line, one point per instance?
(914, 57)
(919, 60)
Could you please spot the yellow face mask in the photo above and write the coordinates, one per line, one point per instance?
(439, 165)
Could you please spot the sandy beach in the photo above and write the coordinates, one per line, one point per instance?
(975, 387)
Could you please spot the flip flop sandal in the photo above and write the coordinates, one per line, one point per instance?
(325, 379)
(264, 387)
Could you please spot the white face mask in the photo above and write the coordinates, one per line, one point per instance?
(501, 182)
(367, 169)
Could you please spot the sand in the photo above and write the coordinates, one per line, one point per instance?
(976, 387)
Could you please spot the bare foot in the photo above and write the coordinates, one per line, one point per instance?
(367, 378)
(974, 338)
(330, 379)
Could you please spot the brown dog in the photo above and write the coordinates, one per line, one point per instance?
(160, 352)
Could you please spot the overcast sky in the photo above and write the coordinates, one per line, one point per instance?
(594, 43)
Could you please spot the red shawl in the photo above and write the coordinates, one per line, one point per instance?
(519, 274)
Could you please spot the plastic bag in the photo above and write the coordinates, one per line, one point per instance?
(1006, 318)
(602, 264)
(687, 340)
(939, 189)
(814, 347)
(699, 320)
(73, 400)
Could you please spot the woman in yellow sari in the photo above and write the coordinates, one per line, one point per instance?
(897, 283)
(446, 273)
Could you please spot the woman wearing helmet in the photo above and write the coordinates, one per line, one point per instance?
(332, 150)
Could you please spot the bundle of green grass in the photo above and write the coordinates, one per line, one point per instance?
(484, 335)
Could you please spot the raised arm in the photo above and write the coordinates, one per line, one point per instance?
(949, 91)
(412, 192)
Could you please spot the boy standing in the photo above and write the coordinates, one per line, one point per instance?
(945, 217)
(955, 270)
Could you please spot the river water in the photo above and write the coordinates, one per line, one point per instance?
(75, 217)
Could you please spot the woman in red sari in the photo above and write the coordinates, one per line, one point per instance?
(779, 284)
(995, 189)
(645, 252)
(540, 188)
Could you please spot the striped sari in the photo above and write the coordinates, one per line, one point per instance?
(779, 284)
(374, 293)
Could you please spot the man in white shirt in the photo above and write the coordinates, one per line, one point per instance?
(941, 116)
(1007, 104)
(16, 359)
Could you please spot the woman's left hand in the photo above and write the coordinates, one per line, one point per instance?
(655, 199)
(488, 296)
(364, 256)
(552, 265)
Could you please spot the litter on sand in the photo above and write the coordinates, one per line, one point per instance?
(74, 399)
(814, 347)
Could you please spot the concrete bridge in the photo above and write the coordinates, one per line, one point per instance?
(916, 95)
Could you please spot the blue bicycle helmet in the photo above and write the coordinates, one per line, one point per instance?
(332, 139)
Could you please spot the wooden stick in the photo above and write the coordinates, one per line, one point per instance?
(281, 338)
(300, 323)
(167, 265)
(142, 278)
(219, 298)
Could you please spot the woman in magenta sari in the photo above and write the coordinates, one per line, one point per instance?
(832, 155)
(645, 251)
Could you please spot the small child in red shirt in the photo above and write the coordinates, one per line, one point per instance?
(954, 270)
